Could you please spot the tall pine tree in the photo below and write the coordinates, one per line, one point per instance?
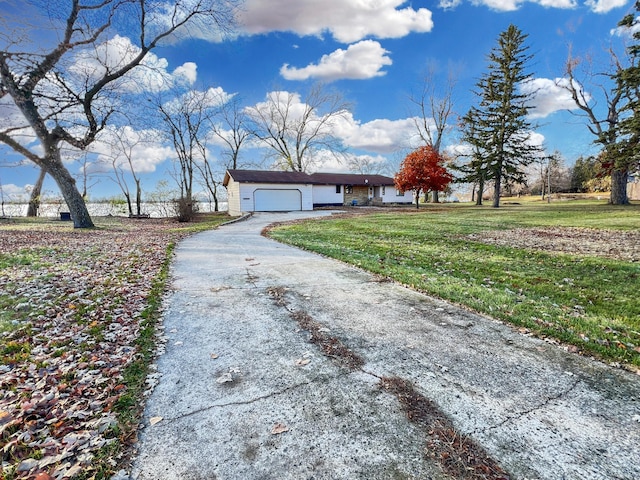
(475, 171)
(501, 131)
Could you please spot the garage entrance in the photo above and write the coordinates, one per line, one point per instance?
(276, 200)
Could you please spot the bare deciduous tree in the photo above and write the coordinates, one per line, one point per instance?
(434, 109)
(231, 126)
(602, 120)
(187, 119)
(123, 144)
(295, 129)
(62, 103)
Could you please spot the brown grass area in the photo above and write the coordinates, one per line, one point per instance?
(621, 245)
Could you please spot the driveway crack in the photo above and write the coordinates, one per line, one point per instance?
(252, 400)
(531, 410)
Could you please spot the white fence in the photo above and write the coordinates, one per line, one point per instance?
(103, 209)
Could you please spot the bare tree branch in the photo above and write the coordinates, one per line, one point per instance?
(295, 129)
(62, 107)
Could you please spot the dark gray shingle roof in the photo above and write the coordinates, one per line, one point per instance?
(350, 179)
(266, 176)
(270, 176)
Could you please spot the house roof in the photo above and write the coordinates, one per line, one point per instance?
(350, 179)
(269, 176)
(266, 176)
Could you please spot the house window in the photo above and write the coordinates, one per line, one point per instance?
(384, 190)
(348, 189)
(399, 193)
(338, 189)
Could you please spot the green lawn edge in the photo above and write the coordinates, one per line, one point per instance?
(588, 302)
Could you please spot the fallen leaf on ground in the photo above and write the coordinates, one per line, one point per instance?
(225, 378)
(155, 420)
(214, 355)
(279, 428)
(87, 296)
(301, 362)
(43, 476)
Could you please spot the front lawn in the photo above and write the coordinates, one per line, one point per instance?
(565, 271)
(78, 311)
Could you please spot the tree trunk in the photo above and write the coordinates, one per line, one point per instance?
(480, 191)
(138, 197)
(436, 197)
(496, 189)
(34, 200)
(127, 196)
(67, 184)
(417, 199)
(619, 179)
(215, 197)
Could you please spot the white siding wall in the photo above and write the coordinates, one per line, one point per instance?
(246, 194)
(241, 196)
(233, 197)
(326, 194)
(391, 197)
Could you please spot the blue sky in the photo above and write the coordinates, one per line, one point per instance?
(376, 54)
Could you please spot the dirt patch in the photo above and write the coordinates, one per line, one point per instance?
(331, 346)
(458, 455)
(620, 245)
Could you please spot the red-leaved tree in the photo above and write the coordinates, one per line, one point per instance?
(423, 171)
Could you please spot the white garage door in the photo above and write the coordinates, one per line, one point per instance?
(273, 200)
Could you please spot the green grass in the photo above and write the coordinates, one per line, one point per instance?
(587, 301)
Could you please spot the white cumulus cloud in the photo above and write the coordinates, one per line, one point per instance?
(512, 5)
(144, 147)
(187, 71)
(548, 96)
(348, 21)
(194, 100)
(604, 6)
(360, 61)
(380, 136)
(15, 193)
(627, 31)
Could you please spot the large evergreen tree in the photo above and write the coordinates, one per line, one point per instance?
(501, 131)
(475, 170)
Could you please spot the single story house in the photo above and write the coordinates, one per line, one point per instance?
(275, 191)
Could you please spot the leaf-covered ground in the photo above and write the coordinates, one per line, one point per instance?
(71, 307)
(621, 245)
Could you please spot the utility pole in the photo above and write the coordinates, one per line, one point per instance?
(549, 180)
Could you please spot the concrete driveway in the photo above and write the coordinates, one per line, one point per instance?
(246, 390)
